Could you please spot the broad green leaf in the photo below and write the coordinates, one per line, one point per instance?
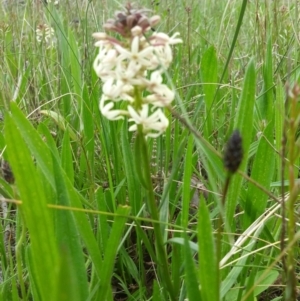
(243, 122)
(61, 122)
(231, 278)
(208, 265)
(66, 82)
(156, 296)
(265, 102)
(44, 160)
(191, 279)
(68, 287)
(48, 139)
(134, 195)
(38, 221)
(263, 285)
(111, 250)
(262, 172)
(209, 74)
(68, 241)
(32, 274)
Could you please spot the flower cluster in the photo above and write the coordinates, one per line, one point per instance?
(131, 69)
(45, 34)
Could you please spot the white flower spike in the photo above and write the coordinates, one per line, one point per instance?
(131, 69)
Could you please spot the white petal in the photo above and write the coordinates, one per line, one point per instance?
(106, 109)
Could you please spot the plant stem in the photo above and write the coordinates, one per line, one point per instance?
(220, 223)
(163, 266)
(291, 291)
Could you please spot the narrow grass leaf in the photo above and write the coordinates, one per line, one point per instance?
(186, 191)
(279, 121)
(66, 157)
(75, 64)
(88, 129)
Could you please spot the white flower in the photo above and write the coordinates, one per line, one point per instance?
(128, 75)
(117, 90)
(106, 109)
(162, 56)
(153, 125)
(105, 62)
(131, 68)
(136, 31)
(55, 2)
(155, 80)
(162, 97)
(160, 38)
(163, 52)
(136, 59)
(45, 33)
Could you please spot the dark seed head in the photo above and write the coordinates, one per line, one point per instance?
(234, 152)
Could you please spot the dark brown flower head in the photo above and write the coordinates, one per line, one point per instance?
(234, 152)
(131, 17)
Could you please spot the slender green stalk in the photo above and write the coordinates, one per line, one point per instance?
(291, 291)
(283, 209)
(163, 265)
(221, 224)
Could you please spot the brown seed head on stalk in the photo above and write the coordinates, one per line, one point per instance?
(234, 152)
(129, 18)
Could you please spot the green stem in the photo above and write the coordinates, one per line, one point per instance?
(220, 222)
(291, 291)
(163, 266)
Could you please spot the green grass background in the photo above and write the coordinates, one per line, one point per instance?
(83, 230)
